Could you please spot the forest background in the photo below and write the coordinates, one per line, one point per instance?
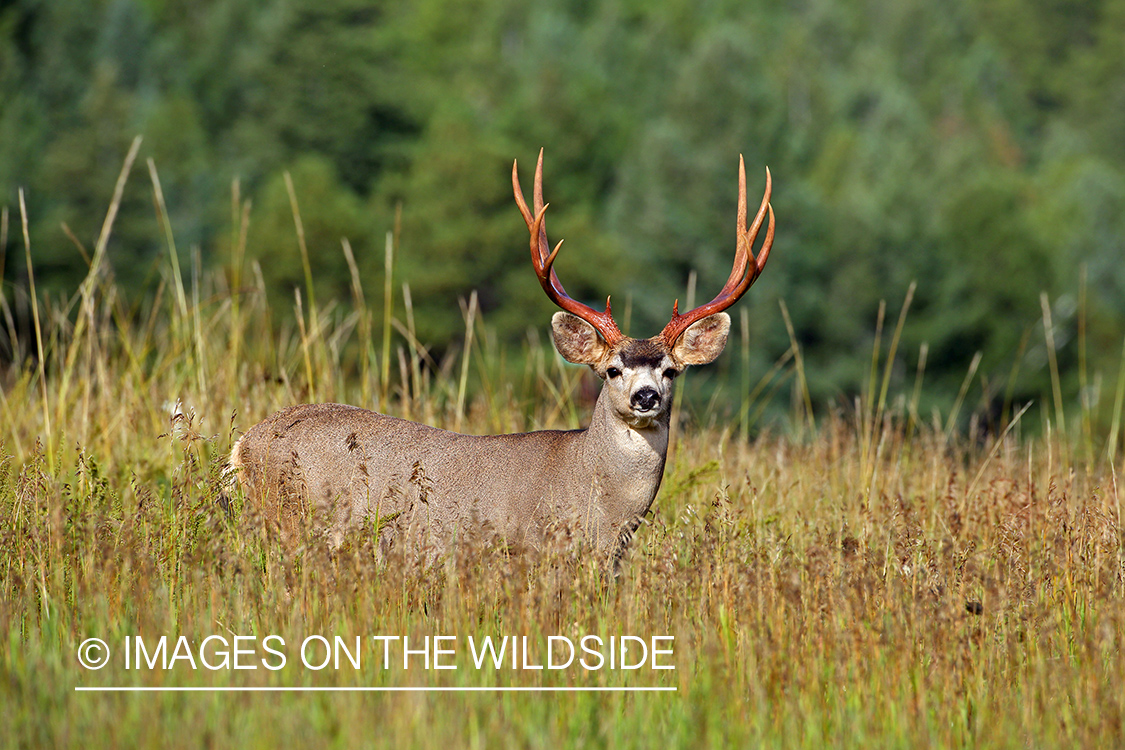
(972, 146)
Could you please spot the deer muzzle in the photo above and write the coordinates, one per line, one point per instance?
(645, 399)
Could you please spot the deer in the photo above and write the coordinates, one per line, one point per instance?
(349, 466)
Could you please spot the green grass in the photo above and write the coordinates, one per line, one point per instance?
(865, 582)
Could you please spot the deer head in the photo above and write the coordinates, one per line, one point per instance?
(638, 373)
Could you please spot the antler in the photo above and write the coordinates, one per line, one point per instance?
(740, 279)
(543, 258)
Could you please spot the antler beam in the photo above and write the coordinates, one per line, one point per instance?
(543, 259)
(740, 278)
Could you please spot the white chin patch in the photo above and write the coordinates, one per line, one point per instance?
(641, 421)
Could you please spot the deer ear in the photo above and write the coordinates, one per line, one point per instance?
(576, 339)
(703, 341)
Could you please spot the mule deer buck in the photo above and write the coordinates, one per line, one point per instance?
(354, 466)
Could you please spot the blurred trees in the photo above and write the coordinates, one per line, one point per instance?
(971, 146)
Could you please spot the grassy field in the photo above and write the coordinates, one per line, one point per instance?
(876, 580)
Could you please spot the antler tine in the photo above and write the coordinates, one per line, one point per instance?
(740, 278)
(543, 259)
(537, 188)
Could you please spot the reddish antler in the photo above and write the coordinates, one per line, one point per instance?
(740, 279)
(543, 258)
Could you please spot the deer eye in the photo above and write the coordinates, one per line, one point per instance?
(613, 372)
(670, 373)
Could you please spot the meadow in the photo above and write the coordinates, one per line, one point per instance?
(873, 577)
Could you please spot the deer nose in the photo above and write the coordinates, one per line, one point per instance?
(645, 399)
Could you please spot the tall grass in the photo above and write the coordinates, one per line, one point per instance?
(867, 580)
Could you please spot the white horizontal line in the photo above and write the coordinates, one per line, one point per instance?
(174, 689)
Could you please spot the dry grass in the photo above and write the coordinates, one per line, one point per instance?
(872, 583)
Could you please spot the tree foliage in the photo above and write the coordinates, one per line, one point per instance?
(970, 146)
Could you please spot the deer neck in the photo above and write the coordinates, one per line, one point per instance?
(628, 461)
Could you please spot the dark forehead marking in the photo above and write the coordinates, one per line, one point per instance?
(642, 353)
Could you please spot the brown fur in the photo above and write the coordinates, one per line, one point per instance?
(341, 466)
